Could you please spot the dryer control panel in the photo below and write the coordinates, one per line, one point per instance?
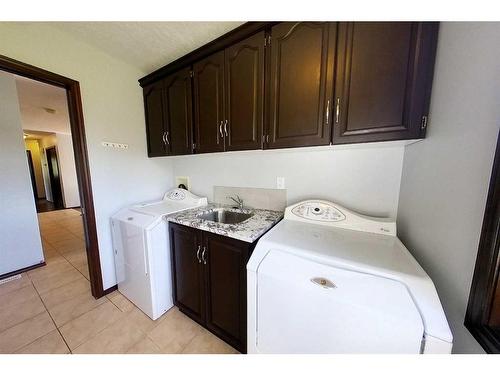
(322, 212)
(318, 211)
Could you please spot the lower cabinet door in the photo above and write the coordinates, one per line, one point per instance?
(225, 261)
(188, 280)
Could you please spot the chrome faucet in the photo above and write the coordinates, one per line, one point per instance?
(237, 200)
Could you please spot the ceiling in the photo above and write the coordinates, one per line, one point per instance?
(43, 107)
(30, 134)
(147, 45)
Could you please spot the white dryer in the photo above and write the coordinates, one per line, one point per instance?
(329, 280)
(142, 250)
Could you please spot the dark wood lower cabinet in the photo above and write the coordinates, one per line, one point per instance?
(209, 274)
(225, 274)
(187, 275)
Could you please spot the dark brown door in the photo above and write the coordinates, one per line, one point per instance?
(178, 113)
(155, 130)
(209, 103)
(384, 77)
(188, 280)
(225, 261)
(244, 85)
(32, 173)
(300, 85)
(54, 177)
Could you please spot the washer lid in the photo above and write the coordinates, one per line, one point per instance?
(325, 309)
(173, 201)
(134, 218)
(370, 253)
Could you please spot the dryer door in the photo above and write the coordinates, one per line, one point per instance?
(307, 307)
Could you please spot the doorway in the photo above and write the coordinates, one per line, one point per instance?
(54, 177)
(75, 112)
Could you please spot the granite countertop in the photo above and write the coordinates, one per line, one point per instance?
(249, 230)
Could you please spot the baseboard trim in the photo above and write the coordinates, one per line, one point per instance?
(110, 290)
(25, 269)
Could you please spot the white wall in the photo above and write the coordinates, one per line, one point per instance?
(445, 178)
(113, 111)
(66, 159)
(363, 178)
(20, 243)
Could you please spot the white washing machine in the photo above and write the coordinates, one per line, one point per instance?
(328, 280)
(142, 250)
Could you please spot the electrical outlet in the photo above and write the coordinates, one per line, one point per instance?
(280, 182)
(182, 180)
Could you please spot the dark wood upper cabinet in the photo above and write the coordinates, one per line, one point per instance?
(244, 83)
(178, 112)
(153, 108)
(294, 84)
(187, 275)
(226, 288)
(302, 60)
(209, 103)
(383, 80)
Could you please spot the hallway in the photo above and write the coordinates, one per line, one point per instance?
(51, 310)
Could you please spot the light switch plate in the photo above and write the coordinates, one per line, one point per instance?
(280, 182)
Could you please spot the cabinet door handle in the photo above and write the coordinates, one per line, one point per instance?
(327, 111)
(220, 129)
(225, 128)
(198, 254)
(166, 138)
(203, 255)
(337, 111)
(163, 138)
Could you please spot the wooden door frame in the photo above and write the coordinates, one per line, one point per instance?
(487, 268)
(75, 110)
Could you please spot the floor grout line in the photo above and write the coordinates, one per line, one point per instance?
(50, 316)
(40, 297)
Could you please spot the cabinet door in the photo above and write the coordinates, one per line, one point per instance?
(384, 77)
(209, 103)
(178, 112)
(187, 275)
(225, 273)
(244, 83)
(301, 76)
(153, 108)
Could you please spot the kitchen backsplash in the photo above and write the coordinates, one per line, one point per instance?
(268, 199)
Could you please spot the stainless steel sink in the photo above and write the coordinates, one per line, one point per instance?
(224, 216)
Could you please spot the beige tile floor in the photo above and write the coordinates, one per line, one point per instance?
(51, 310)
